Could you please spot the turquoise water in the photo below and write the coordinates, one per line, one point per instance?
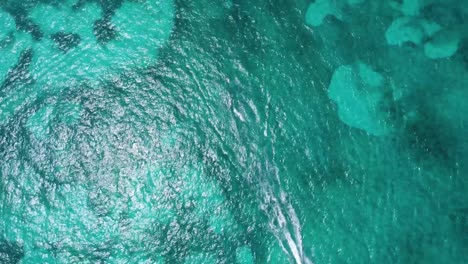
(211, 131)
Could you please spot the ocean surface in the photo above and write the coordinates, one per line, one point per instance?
(234, 131)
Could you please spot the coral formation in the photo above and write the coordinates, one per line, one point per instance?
(358, 91)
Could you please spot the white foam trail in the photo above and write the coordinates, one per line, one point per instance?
(279, 224)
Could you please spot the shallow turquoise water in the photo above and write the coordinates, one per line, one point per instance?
(211, 131)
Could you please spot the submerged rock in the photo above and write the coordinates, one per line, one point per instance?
(10, 252)
(442, 45)
(410, 7)
(13, 44)
(439, 27)
(320, 9)
(358, 91)
(104, 30)
(410, 30)
(402, 31)
(130, 37)
(66, 41)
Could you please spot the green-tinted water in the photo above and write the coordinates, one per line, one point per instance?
(211, 131)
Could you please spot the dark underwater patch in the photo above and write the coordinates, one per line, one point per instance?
(430, 140)
(24, 23)
(66, 41)
(19, 73)
(10, 252)
(8, 40)
(104, 30)
(463, 51)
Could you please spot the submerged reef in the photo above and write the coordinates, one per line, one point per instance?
(93, 40)
(82, 42)
(321, 9)
(78, 36)
(358, 92)
(12, 44)
(422, 32)
(398, 80)
(420, 23)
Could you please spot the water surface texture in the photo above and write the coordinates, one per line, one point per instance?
(233, 131)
